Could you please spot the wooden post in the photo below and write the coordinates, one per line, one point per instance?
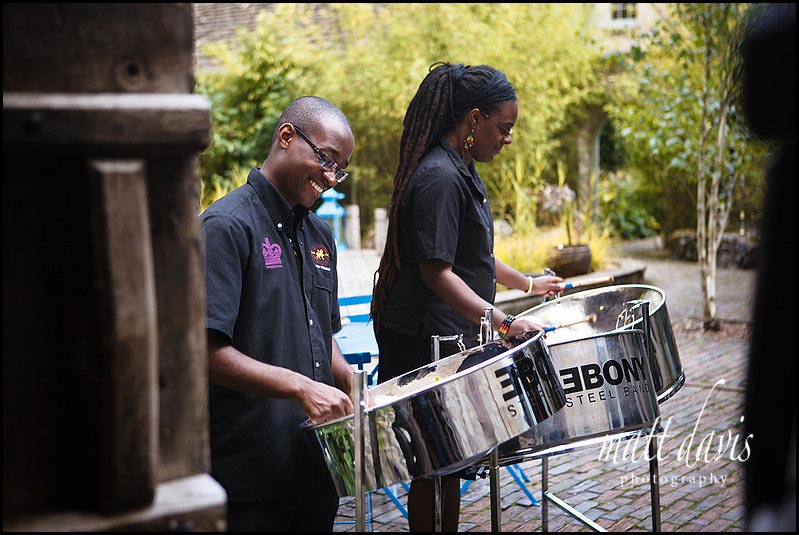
(125, 301)
(104, 348)
(183, 366)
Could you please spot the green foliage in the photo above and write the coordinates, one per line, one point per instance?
(527, 249)
(515, 193)
(672, 134)
(685, 125)
(623, 203)
(627, 202)
(248, 90)
(369, 59)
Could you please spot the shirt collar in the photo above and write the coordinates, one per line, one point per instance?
(283, 214)
(296, 217)
(468, 172)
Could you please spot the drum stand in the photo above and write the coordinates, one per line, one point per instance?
(435, 346)
(487, 335)
(654, 491)
(654, 485)
(359, 397)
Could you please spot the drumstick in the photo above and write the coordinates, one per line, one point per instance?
(591, 318)
(589, 282)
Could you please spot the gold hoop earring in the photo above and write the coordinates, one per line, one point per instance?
(468, 143)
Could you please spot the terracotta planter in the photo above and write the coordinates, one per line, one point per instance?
(570, 260)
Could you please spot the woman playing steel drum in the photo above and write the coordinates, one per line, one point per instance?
(438, 273)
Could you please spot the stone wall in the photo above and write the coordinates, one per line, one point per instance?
(218, 22)
(735, 250)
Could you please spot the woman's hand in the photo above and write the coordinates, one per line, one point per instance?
(548, 285)
(521, 325)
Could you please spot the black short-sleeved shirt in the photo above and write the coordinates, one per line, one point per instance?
(276, 313)
(444, 215)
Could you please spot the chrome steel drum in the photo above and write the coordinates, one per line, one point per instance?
(609, 393)
(447, 415)
(617, 308)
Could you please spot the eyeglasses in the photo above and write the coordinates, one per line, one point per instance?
(325, 162)
(502, 130)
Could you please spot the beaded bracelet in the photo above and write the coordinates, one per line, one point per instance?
(530, 287)
(503, 329)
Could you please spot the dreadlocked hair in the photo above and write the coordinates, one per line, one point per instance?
(447, 92)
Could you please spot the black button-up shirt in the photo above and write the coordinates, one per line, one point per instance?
(275, 296)
(444, 215)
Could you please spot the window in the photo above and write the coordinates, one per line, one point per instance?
(622, 12)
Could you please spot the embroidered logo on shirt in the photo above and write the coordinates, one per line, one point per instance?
(321, 256)
(271, 252)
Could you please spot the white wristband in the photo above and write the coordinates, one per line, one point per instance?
(530, 287)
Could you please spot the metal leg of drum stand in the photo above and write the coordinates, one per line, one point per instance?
(486, 329)
(360, 496)
(654, 475)
(486, 326)
(435, 346)
(437, 514)
(437, 528)
(544, 493)
(547, 496)
(654, 484)
(435, 343)
(487, 335)
(496, 508)
(545, 465)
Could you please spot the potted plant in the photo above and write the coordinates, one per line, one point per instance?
(572, 258)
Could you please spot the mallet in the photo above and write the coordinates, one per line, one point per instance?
(589, 282)
(590, 318)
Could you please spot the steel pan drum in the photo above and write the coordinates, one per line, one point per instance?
(616, 309)
(609, 393)
(447, 415)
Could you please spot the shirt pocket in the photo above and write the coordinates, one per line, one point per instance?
(322, 301)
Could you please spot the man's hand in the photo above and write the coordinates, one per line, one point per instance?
(323, 403)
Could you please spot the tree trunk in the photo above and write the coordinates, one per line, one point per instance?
(712, 211)
(706, 267)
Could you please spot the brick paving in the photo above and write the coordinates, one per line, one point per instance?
(701, 486)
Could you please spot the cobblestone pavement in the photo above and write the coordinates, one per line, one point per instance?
(700, 474)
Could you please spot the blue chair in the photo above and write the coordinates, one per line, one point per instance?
(353, 301)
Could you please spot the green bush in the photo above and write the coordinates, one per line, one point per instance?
(526, 249)
(624, 204)
(680, 119)
(249, 88)
(369, 59)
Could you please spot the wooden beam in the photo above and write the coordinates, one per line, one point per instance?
(118, 125)
(125, 293)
